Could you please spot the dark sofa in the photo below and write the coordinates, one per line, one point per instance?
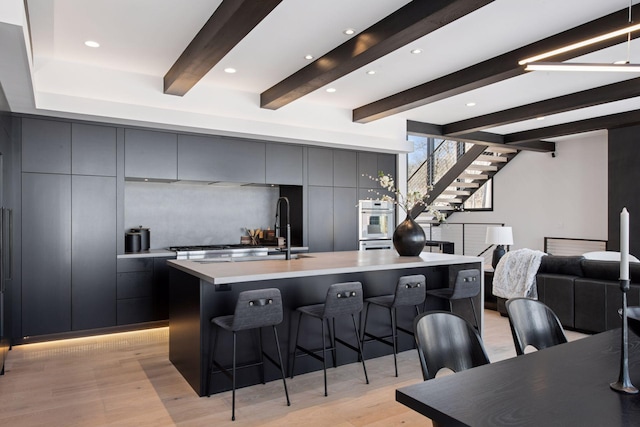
(585, 294)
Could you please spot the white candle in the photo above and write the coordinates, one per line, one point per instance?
(624, 244)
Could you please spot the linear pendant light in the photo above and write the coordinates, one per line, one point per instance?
(622, 66)
(575, 66)
(580, 44)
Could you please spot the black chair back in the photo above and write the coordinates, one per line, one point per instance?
(410, 290)
(533, 323)
(343, 298)
(446, 340)
(257, 308)
(467, 284)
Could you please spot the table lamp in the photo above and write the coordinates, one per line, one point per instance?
(499, 236)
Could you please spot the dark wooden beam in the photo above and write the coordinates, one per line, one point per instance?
(229, 24)
(597, 123)
(407, 24)
(482, 138)
(586, 98)
(496, 69)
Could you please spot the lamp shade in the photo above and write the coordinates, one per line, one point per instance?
(499, 236)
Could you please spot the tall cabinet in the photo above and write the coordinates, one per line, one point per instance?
(68, 226)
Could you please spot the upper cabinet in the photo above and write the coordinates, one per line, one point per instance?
(220, 159)
(345, 170)
(283, 164)
(320, 166)
(93, 150)
(150, 154)
(369, 164)
(46, 146)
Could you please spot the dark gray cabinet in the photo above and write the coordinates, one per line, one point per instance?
(345, 168)
(150, 154)
(320, 161)
(134, 301)
(320, 219)
(215, 159)
(93, 243)
(369, 164)
(46, 146)
(367, 167)
(345, 219)
(387, 164)
(46, 253)
(142, 290)
(283, 164)
(93, 150)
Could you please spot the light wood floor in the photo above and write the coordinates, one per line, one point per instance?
(126, 379)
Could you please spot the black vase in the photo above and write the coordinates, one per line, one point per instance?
(409, 238)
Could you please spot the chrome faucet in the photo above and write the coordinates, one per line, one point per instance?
(277, 225)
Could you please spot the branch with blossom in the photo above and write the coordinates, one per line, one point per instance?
(408, 202)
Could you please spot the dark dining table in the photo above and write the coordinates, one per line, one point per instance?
(565, 385)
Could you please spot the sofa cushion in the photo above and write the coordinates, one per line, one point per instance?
(558, 264)
(609, 270)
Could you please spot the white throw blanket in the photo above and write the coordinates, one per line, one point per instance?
(515, 274)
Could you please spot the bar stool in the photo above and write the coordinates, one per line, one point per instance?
(410, 291)
(342, 299)
(467, 285)
(254, 310)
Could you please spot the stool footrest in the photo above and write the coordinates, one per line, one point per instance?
(225, 370)
(346, 344)
(312, 353)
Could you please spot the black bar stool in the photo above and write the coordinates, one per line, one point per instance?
(467, 285)
(342, 299)
(254, 310)
(410, 290)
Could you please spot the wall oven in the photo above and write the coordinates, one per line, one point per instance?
(376, 222)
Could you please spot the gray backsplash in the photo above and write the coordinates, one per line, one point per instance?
(191, 214)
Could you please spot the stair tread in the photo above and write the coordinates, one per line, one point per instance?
(457, 192)
(475, 176)
(492, 159)
(498, 149)
(484, 168)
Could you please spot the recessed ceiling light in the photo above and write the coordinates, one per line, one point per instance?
(349, 31)
(308, 57)
(371, 72)
(540, 118)
(230, 70)
(416, 51)
(331, 89)
(471, 104)
(91, 43)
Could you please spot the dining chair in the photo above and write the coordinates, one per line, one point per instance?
(446, 340)
(533, 324)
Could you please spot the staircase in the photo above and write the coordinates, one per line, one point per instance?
(454, 173)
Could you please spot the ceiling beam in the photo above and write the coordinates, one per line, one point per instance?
(229, 24)
(586, 98)
(496, 69)
(596, 123)
(482, 138)
(407, 24)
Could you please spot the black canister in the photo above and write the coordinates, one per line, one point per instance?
(145, 237)
(132, 242)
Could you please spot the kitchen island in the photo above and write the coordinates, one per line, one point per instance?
(200, 290)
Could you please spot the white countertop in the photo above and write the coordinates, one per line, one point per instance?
(313, 264)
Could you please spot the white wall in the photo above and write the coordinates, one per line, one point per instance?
(542, 196)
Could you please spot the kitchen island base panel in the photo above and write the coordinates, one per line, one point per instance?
(195, 301)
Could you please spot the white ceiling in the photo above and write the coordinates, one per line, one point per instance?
(122, 80)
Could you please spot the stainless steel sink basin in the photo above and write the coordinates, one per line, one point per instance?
(251, 258)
